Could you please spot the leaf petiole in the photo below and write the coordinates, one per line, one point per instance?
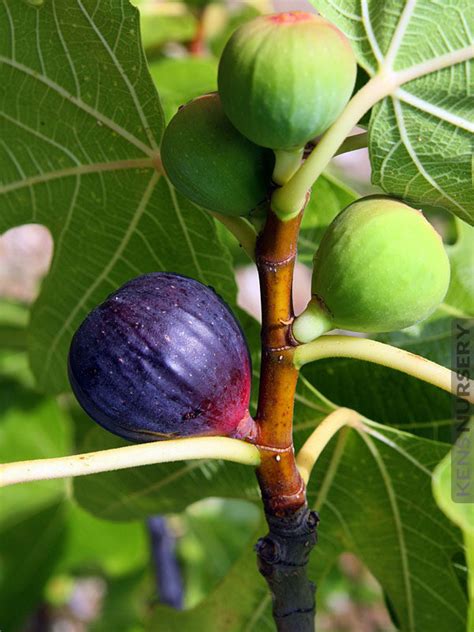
(379, 353)
(318, 440)
(352, 143)
(222, 448)
(242, 230)
(292, 195)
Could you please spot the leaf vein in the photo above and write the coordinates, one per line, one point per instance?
(65, 94)
(113, 260)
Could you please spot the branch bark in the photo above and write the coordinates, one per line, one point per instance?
(283, 553)
(282, 559)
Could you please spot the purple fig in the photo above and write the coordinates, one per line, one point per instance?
(163, 357)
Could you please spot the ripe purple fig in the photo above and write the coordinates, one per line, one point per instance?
(163, 357)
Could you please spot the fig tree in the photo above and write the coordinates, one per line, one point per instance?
(211, 163)
(163, 357)
(284, 78)
(380, 266)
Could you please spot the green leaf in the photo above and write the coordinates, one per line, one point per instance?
(421, 137)
(164, 488)
(240, 602)
(215, 531)
(180, 80)
(13, 313)
(14, 365)
(97, 546)
(29, 551)
(32, 516)
(124, 604)
(31, 426)
(82, 162)
(13, 322)
(460, 299)
(373, 493)
(329, 196)
(238, 16)
(461, 514)
(158, 28)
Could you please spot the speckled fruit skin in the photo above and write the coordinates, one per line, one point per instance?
(284, 78)
(163, 357)
(380, 266)
(211, 163)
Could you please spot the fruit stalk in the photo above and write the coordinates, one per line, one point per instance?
(283, 553)
(197, 46)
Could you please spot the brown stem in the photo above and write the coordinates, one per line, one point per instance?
(282, 486)
(197, 46)
(282, 554)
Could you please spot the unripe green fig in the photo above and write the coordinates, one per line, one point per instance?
(285, 78)
(211, 163)
(380, 266)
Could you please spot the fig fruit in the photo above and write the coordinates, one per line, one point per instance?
(211, 163)
(380, 266)
(284, 78)
(163, 357)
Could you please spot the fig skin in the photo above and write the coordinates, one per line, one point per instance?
(163, 357)
(380, 267)
(211, 163)
(285, 78)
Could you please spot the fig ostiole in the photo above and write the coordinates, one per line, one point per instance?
(163, 357)
(211, 163)
(279, 82)
(380, 267)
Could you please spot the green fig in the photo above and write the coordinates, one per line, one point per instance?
(285, 78)
(380, 266)
(211, 163)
